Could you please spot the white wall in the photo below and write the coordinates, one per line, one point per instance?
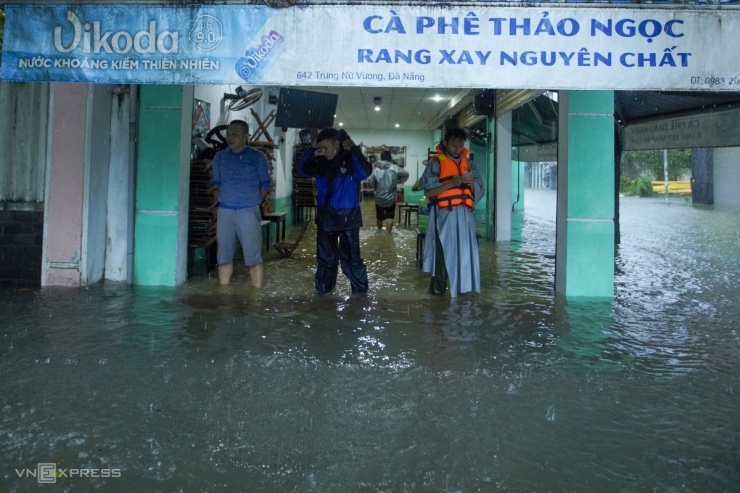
(417, 142)
(417, 145)
(214, 95)
(726, 176)
(23, 141)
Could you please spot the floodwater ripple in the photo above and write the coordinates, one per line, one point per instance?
(208, 388)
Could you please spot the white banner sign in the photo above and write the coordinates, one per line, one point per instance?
(535, 47)
(710, 129)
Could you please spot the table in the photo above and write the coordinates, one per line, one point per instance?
(303, 213)
(279, 219)
(407, 209)
(266, 222)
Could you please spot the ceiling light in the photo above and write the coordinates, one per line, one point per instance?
(398, 125)
(377, 108)
(437, 98)
(341, 124)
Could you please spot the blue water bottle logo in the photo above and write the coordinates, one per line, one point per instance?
(242, 68)
(257, 56)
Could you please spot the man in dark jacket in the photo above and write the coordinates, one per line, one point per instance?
(338, 167)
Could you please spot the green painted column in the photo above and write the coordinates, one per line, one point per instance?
(584, 257)
(162, 178)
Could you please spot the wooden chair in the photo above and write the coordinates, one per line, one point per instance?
(286, 248)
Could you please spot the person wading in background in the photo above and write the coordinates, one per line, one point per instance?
(384, 179)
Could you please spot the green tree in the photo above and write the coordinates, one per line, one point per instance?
(642, 186)
(650, 163)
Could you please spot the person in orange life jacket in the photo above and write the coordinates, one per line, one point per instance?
(338, 166)
(453, 186)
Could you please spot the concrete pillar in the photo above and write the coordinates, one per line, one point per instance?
(517, 186)
(490, 178)
(162, 185)
(584, 257)
(502, 207)
(119, 235)
(702, 176)
(96, 185)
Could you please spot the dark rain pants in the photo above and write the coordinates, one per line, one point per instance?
(335, 247)
(438, 283)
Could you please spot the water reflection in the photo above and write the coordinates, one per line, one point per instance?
(204, 388)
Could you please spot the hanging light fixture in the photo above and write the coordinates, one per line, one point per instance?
(376, 101)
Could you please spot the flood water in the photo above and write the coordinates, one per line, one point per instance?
(200, 388)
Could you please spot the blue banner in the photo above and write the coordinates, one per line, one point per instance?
(128, 44)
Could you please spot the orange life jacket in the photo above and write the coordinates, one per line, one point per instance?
(461, 195)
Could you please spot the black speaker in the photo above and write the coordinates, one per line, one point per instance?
(485, 102)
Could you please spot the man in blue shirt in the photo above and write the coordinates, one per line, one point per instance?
(242, 177)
